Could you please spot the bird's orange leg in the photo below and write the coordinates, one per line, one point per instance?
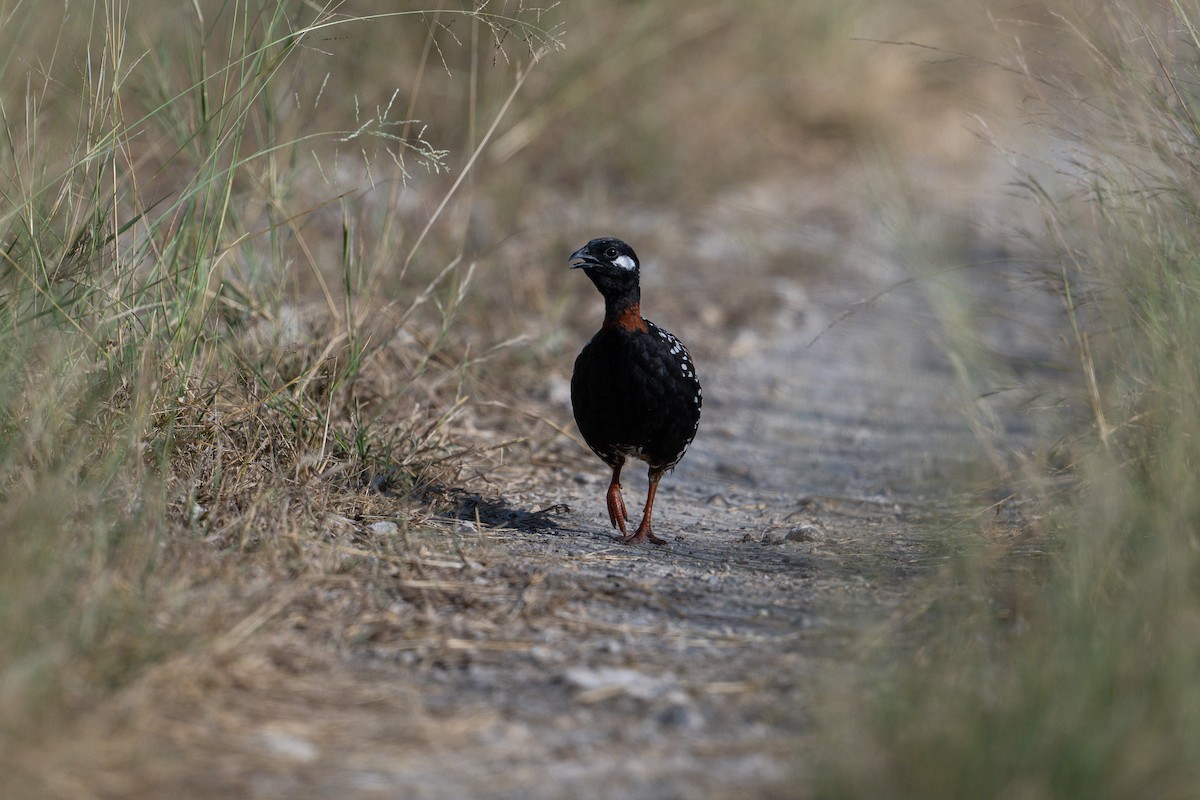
(617, 515)
(643, 532)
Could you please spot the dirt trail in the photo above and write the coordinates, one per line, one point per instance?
(795, 524)
(532, 656)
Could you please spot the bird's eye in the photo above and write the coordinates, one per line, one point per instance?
(611, 254)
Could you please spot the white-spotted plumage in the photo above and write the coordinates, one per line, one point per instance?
(684, 361)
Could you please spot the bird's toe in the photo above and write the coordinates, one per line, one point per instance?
(643, 534)
(618, 517)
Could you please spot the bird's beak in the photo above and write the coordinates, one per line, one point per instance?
(581, 259)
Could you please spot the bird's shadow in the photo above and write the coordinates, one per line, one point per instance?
(459, 504)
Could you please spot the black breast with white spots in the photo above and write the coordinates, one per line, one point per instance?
(636, 394)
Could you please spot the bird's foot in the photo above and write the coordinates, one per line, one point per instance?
(617, 515)
(643, 534)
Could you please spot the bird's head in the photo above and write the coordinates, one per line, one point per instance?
(610, 263)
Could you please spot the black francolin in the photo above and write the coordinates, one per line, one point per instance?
(634, 389)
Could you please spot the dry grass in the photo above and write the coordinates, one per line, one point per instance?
(1066, 673)
(273, 274)
(205, 382)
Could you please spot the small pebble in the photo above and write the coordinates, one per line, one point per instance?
(803, 533)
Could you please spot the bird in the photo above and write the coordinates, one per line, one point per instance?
(634, 390)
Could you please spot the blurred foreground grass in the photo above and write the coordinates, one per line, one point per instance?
(1060, 662)
(255, 258)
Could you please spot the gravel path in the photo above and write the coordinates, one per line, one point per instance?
(517, 651)
(796, 525)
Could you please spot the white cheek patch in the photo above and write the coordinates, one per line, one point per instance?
(624, 262)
